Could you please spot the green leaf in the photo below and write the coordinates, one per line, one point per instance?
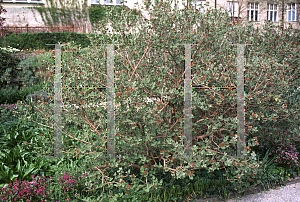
(30, 170)
(18, 165)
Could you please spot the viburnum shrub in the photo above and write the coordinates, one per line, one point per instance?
(151, 64)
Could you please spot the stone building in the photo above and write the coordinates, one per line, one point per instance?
(19, 14)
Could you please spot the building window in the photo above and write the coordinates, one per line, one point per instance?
(292, 12)
(253, 11)
(21, 1)
(94, 1)
(113, 1)
(200, 5)
(272, 12)
(107, 2)
(233, 10)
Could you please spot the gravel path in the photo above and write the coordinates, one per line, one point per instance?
(288, 193)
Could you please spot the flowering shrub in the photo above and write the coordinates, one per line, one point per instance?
(152, 137)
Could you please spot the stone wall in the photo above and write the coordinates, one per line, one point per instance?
(22, 16)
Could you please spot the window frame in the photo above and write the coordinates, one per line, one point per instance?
(255, 10)
(290, 10)
(104, 2)
(233, 7)
(24, 1)
(273, 11)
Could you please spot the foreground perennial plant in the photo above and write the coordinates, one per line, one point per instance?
(41, 189)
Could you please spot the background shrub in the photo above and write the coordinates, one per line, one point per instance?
(8, 70)
(33, 69)
(12, 95)
(38, 40)
(98, 13)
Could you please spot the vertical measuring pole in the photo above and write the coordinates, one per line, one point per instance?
(57, 104)
(110, 102)
(240, 101)
(188, 103)
(58, 145)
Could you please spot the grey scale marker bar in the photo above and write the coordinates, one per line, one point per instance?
(111, 132)
(240, 100)
(57, 103)
(187, 103)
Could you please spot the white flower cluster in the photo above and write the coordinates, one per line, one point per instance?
(10, 49)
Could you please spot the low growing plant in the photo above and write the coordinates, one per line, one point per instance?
(286, 155)
(13, 95)
(37, 189)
